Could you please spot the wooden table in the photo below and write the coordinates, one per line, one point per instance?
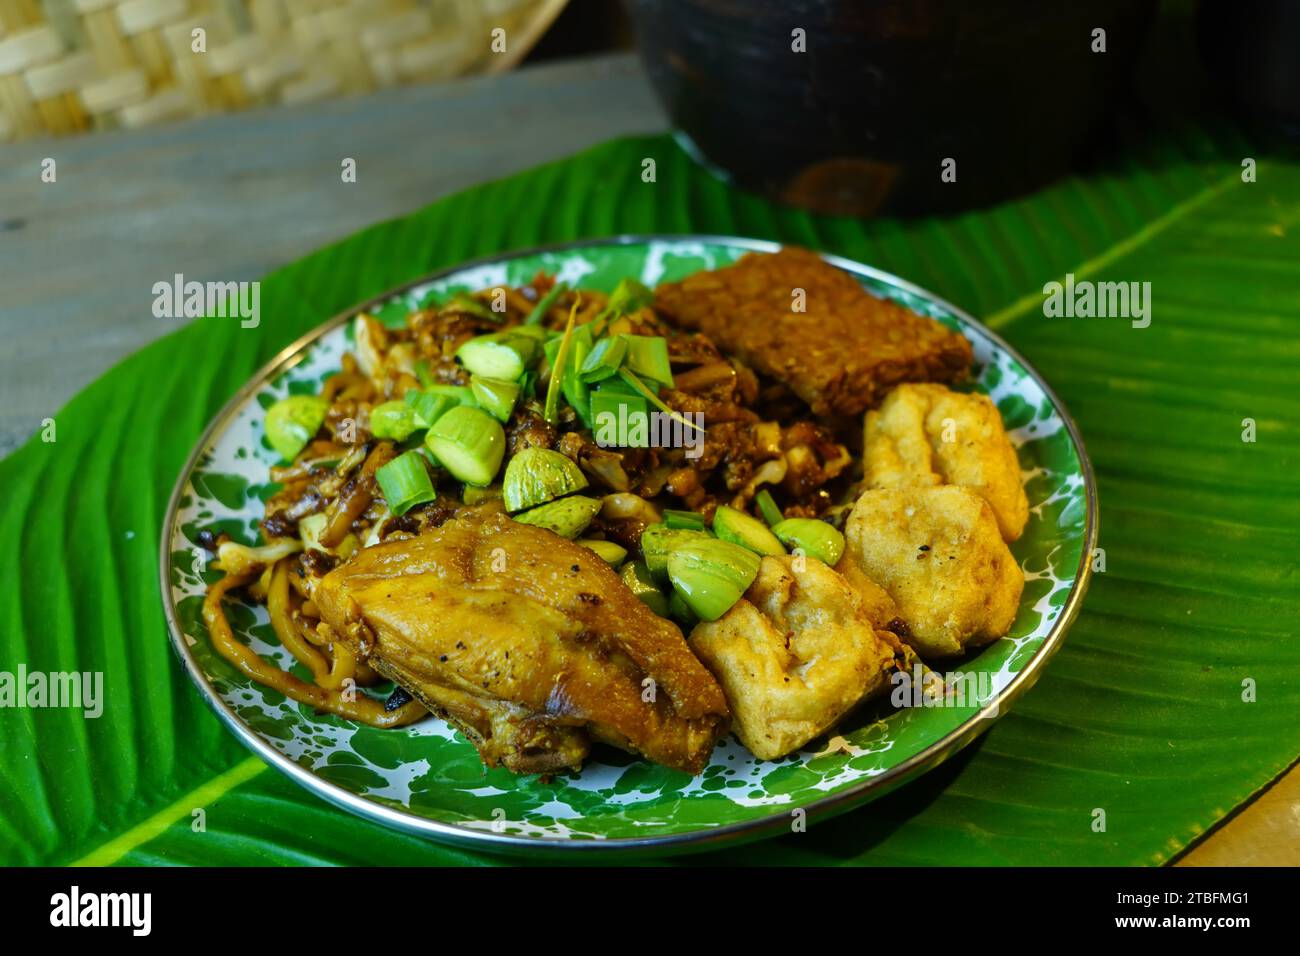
(232, 197)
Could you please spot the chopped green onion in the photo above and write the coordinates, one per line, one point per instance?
(535, 332)
(681, 612)
(624, 409)
(735, 526)
(498, 356)
(538, 475)
(423, 374)
(654, 399)
(767, 508)
(551, 412)
(658, 540)
(816, 538)
(712, 575)
(538, 315)
(675, 518)
(405, 482)
(567, 517)
(294, 421)
(605, 359)
(495, 395)
(647, 356)
(469, 443)
(576, 392)
(461, 394)
(610, 552)
(617, 384)
(395, 420)
(527, 341)
(467, 303)
(639, 581)
(628, 296)
(428, 405)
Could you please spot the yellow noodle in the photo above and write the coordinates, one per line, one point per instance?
(344, 667)
(277, 603)
(361, 708)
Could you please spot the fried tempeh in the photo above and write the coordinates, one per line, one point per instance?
(840, 355)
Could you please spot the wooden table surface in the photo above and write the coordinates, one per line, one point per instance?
(233, 197)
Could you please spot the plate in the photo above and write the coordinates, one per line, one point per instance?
(427, 779)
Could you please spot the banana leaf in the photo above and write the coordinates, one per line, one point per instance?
(1171, 703)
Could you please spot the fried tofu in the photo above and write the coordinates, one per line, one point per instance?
(841, 354)
(938, 553)
(926, 434)
(794, 655)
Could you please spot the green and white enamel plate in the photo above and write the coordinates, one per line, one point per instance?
(427, 779)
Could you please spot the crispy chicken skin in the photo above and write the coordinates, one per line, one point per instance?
(938, 553)
(529, 643)
(840, 354)
(926, 434)
(795, 654)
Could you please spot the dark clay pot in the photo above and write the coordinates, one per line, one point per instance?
(887, 90)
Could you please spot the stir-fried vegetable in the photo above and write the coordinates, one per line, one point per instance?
(395, 420)
(469, 443)
(711, 575)
(467, 303)
(576, 391)
(816, 538)
(496, 396)
(499, 355)
(428, 406)
(623, 407)
(681, 612)
(658, 540)
(405, 482)
(538, 475)
(604, 359)
(643, 390)
(610, 552)
(543, 306)
(628, 296)
(647, 357)
(608, 366)
(767, 508)
(567, 517)
(294, 421)
(639, 580)
(730, 524)
(551, 410)
(691, 520)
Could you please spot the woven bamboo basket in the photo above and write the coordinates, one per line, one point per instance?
(72, 65)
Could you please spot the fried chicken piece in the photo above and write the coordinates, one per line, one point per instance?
(795, 654)
(527, 642)
(929, 435)
(840, 355)
(938, 553)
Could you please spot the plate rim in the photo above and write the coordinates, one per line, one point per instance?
(854, 796)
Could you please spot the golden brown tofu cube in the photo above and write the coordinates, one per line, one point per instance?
(938, 553)
(794, 655)
(930, 435)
